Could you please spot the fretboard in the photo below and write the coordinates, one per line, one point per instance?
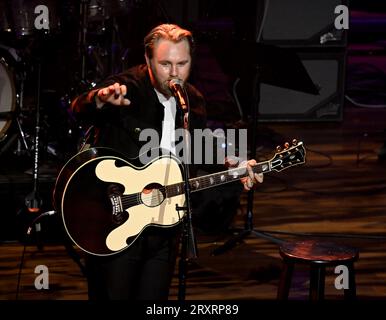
(215, 179)
(201, 183)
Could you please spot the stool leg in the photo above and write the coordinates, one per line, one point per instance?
(285, 280)
(351, 292)
(317, 278)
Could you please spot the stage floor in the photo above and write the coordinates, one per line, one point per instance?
(338, 194)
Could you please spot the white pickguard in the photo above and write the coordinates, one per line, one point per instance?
(164, 171)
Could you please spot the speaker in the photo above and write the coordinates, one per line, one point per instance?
(327, 71)
(301, 23)
(304, 27)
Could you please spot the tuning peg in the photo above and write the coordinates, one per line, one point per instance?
(286, 145)
(294, 142)
(278, 148)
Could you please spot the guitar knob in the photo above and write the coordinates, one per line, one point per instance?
(278, 148)
(294, 142)
(286, 145)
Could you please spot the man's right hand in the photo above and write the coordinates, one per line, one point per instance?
(114, 94)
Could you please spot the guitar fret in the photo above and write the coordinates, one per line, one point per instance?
(218, 178)
(174, 190)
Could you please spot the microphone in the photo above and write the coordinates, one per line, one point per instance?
(177, 88)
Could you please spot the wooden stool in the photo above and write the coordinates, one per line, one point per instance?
(319, 255)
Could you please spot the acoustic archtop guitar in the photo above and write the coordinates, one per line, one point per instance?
(107, 201)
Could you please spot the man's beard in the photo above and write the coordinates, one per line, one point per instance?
(160, 86)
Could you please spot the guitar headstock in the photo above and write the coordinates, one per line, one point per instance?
(289, 156)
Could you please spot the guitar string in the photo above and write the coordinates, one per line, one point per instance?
(203, 182)
(130, 200)
(174, 188)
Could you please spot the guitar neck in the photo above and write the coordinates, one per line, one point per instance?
(290, 156)
(216, 179)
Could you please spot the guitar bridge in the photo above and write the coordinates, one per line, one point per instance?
(116, 204)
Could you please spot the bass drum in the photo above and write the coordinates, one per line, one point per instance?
(7, 98)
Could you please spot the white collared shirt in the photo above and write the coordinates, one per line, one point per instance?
(168, 124)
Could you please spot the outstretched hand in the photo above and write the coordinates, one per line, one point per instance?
(113, 94)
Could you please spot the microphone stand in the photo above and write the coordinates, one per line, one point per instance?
(188, 242)
(82, 38)
(248, 226)
(33, 201)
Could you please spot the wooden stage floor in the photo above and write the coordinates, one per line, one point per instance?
(339, 194)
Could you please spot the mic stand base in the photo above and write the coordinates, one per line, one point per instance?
(188, 243)
(229, 244)
(188, 250)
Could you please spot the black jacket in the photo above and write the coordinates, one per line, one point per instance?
(120, 127)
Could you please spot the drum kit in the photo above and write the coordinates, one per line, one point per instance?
(7, 98)
(18, 31)
(41, 70)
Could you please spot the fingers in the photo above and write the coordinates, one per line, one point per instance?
(259, 177)
(114, 94)
(125, 102)
(123, 90)
(250, 164)
(252, 177)
(117, 90)
(248, 185)
(102, 93)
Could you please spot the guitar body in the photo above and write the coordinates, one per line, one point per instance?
(94, 186)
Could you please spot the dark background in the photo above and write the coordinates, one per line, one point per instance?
(73, 55)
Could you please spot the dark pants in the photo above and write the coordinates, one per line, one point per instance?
(142, 272)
